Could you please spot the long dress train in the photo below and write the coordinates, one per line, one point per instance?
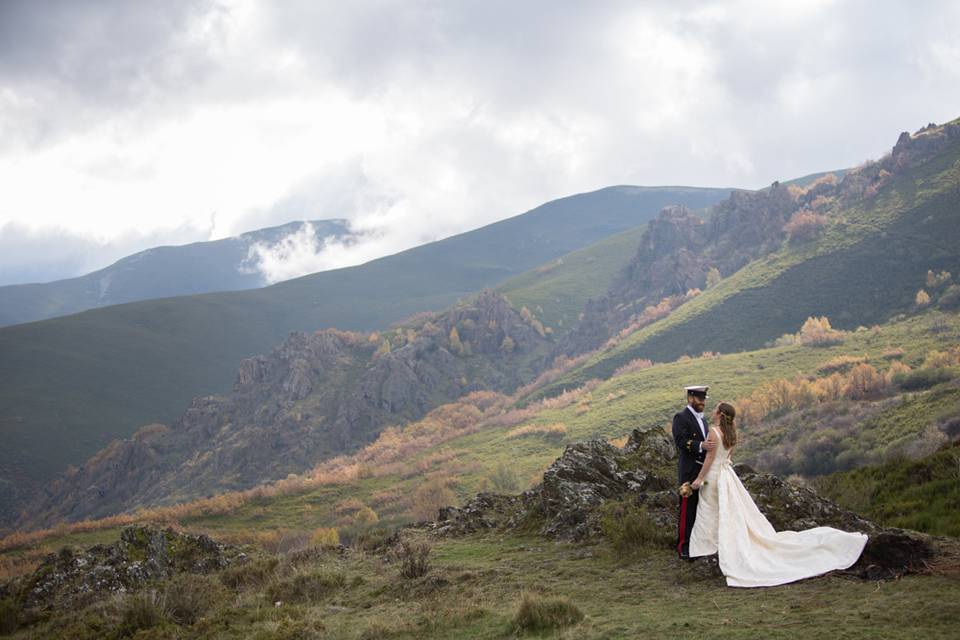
(751, 553)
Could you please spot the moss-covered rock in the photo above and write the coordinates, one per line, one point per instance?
(591, 477)
(142, 555)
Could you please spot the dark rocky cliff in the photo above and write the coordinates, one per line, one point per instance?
(315, 396)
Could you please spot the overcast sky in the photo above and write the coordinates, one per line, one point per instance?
(128, 124)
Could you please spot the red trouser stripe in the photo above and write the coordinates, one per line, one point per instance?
(683, 523)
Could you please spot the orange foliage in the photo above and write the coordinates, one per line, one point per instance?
(804, 225)
(549, 430)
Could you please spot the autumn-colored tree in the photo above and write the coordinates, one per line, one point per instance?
(508, 345)
(804, 225)
(430, 496)
(455, 345)
(817, 332)
(922, 299)
(935, 280)
(864, 381)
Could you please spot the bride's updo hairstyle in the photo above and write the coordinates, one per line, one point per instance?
(728, 428)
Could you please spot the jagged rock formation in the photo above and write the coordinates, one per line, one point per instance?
(678, 249)
(676, 253)
(315, 396)
(71, 578)
(565, 506)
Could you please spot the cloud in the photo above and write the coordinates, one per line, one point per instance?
(300, 253)
(417, 120)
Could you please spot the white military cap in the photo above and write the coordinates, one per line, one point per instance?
(697, 390)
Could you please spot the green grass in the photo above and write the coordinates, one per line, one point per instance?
(477, 584)
(648, 397)
(557, 291)
(83, 380)
(621, 593)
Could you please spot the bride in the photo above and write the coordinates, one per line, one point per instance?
(751, 552)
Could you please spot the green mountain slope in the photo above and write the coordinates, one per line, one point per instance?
(160, 272)
(80, 381)
(867, 265)
(557, 291)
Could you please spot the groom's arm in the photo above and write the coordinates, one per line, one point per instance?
(681, 436)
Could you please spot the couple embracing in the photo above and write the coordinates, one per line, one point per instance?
(717, 514)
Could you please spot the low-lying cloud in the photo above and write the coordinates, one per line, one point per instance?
(298, 254)
(416, 120)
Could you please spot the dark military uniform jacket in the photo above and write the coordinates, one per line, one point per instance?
(687, 436)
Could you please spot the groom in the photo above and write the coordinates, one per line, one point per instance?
(690, 436)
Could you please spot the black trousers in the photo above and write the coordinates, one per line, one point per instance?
(687, 515)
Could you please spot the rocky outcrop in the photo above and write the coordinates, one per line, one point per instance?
(71, 578)
(315, 396)
(678, 249)
(676, 252)
(566, 505)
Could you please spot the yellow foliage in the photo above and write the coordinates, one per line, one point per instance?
(325, 537)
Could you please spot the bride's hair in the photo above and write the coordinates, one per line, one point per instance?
(728, 428)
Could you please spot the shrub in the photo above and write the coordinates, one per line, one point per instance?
(935, 280)
(9, 616)
(637, 364)
(786, 340)
(249, 574)
(306, 586)
(504, 479)
(950, 299)
(804, 225)
(550, 431)
(629, 527)
(840, 363)
(864, 381)
(325, 537)
(187, 597)
(921, 379)
(537, 614)
(140, 611)
(941, 359)
(430, 496)
(414, 558)
(817, 332)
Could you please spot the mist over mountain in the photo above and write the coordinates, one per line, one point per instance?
(247, 261)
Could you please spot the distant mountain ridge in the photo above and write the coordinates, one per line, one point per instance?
(86, 379)
(159, 272)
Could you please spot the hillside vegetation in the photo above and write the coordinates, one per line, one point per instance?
(862, 258)
(86, 379)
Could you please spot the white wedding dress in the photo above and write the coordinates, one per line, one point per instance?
(750, 551)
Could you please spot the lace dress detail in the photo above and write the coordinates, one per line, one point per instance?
(751, 552)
